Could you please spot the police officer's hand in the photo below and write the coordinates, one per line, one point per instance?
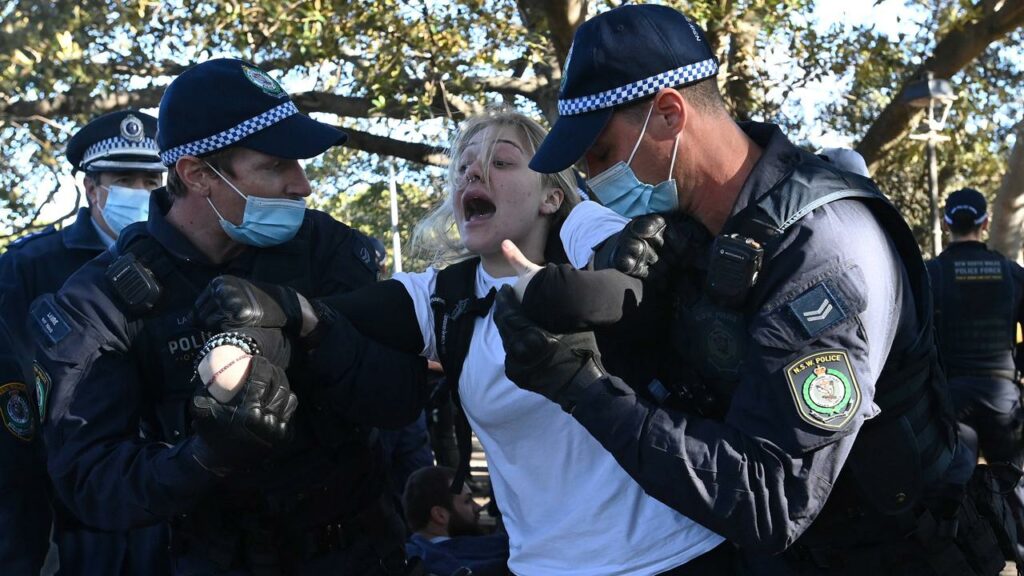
(655, 247)
(229, 303)
(274, 344)
(556, 366)
(242, 432)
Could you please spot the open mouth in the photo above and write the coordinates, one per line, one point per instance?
(476, 207)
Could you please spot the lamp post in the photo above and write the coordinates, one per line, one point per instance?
(936, 96)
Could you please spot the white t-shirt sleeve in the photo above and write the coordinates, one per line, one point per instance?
(420, 286)
(588, 225)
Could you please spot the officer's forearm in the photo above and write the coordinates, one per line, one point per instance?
(365, 382)
(747, 490)
(562, 299)
(130, 484)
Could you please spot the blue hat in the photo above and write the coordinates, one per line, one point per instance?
(966, 206)
(620, 56)
(121, 141)
(228, 102)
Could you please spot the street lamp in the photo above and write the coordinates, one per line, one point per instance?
(936, 95)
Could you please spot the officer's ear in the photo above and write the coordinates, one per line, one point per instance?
(440, 515)
(92, 191)
(193, 173)
(671, 111)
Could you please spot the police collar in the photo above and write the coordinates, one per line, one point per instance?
(966, 245)
(163, 232)
(778, 157)
(82, 235)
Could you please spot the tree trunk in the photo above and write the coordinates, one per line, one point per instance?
(557, 21)
(957, 49)
(1008, 207)
(742, 74)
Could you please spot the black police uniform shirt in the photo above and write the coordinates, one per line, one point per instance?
(25, 512)
(39, 264)
(762, 475)
(114, 374)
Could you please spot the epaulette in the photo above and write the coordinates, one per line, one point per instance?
(33, 236)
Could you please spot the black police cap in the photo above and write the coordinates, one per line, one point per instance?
(966, 206)
(229, 102)
(617, 57)
(121, 141)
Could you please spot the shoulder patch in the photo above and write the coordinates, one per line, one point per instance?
(51, 321)
(43, 385)
(817, 309)
(16, 411)
(824, 389)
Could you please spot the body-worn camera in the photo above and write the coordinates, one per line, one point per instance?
(732, 271)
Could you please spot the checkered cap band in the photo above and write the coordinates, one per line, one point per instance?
(639, 89)
(118, 146)
(231, 135)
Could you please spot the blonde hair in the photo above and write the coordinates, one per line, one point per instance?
(436, 236)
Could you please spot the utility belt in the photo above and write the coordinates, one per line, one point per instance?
(368, 543)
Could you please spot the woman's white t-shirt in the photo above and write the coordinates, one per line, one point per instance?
(568, 507)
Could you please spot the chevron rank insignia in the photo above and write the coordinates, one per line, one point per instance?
(824, 389)
(817, 309)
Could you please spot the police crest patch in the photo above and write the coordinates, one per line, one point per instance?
(824, 389)
(264, 82)
(16, 410)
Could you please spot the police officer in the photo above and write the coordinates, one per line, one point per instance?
(118, 154)
(803, 412)
(249, 483)
(979, 300)
(24, 514)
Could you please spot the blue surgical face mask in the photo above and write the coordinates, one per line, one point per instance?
(266, 221)
(125, 206)
(619, 189)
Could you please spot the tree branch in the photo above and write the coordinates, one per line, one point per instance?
(385, 146)
(952, 53)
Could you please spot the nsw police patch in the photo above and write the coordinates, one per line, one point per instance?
(824, 389)
(16, 411)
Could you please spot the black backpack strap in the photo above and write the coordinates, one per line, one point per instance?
(456, 309)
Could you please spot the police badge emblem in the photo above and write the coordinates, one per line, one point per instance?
(264, 82)
(16, 411)
(132, 129)
(824, 389)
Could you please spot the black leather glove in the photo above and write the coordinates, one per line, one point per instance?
(229, 303)
(655, 247)
(241, 433)
(556, 366)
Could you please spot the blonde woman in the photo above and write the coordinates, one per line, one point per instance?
(568, 507)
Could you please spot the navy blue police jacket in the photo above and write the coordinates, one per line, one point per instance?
(25, 512)
(834, 297)
(119, 448)
(39, 264)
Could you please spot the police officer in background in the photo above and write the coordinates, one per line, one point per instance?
(25, 512)
(801, 411)
(118, 154)
(257, 468)
(979, 300)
